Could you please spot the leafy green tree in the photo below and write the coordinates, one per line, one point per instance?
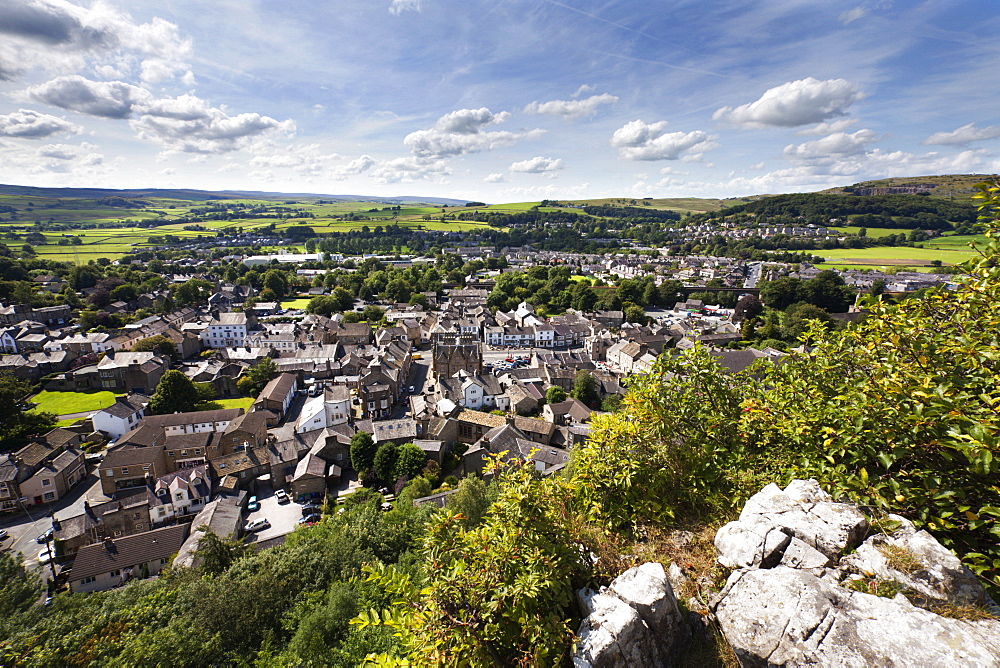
(276, 281)
(585, 388)
(323, 305)
(796, 318)
(158, 344)
(781, 293)
(193, 292)
(16, 423)
(217, 553)
(747, 307)
(372, 314)
(410, 460)
(554, 395)
(362, 451)
(384, 465)
(498, 594)
(175, 393)
(257, 376)
(472, 500)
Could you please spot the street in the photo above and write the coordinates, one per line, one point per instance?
(25, 527)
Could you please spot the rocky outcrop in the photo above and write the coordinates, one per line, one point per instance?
(797, 598)
(634, 622)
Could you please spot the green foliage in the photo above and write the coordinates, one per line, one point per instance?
(555, 394)
(257, 376)
(16, 424)
(501, 593)
(471, 501)
(175, 393)
(673, 450)
(410, 460)
(217, 553)
(158, 344)
(362, 451)
(384, 464)
(585, 388)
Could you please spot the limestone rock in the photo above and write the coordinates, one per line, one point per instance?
(801, 518)
(634, 622)
(921, 564)
(789, 617)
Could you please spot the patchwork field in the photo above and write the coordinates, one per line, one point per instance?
(898, 255)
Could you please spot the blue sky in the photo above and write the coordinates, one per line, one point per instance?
(496, 101)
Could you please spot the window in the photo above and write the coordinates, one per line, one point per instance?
(115, 573)
(118, 533)
(46, 482)
(124, 471)
(138, 527)
(88, 580)
(109, 473)
(50, 496)
(170, 453)
(137, 516)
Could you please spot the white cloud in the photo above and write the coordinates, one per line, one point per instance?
(852, 15)
(494, 178)
(550, 191)
(461, 132)
(651, 141)
(353, 168)
(966, 134)
(28, 124)
(794, 103)
(107, 99)
(585, 88)
(537, 165)
(187, 123)
(571, 109)
(409, 170)
(399, 6)
(830, 148)
(828, 128)
(60, 36)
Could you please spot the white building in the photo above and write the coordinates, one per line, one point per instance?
(184, 492)
(122, 416)
(331, 408)
(228, 330)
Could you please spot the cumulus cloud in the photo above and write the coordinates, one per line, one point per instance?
(66, 158)
(399, 6)
(463, 131)
(537, 165)
(794, 103)
(831, 147)
(828, 128)
(571, 109)
(107, 99)
(353, 168)
(57, 35)
(651, 141)
(187, 123)
(28, 124)
(496, 177)
(966, 134)
(409, 170)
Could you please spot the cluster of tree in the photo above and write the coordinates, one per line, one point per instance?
(17, 424)
(826, 290)
(910, 211)
(631, 212)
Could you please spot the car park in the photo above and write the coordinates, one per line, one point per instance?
(253, 505)
(282, 496)
(257, 525)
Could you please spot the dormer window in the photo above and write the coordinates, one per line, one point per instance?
(161, 492)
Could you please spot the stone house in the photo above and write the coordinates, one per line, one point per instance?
(115, 562)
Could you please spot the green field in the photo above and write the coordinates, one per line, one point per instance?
(897, 255)
(66, 403)
(216, 404)
(873, 232)
(300, 302)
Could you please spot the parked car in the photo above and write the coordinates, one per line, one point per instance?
(410, 389)
(310, 519)
(310, 509)
(253, 505)
(45, 536)
(257, 525)
(45, 556)
(3, 534)
(282, 496)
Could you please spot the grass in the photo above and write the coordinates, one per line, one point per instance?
(900, 558)
(873, 232)
(300, 302)
(217, 404)
(65, 403)
(904, 255)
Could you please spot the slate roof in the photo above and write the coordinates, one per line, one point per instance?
(128, 551)
(196, 417)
